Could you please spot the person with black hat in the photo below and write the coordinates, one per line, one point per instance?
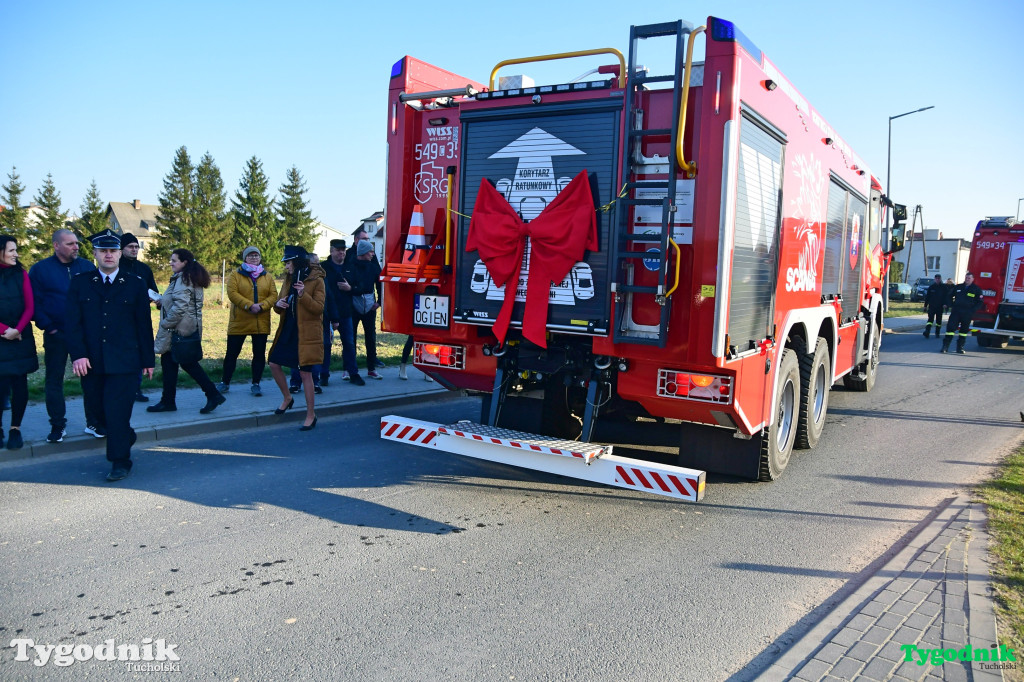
(50, 279)
(130, 263)
(299, 341)
(342, 311)
(110, 338)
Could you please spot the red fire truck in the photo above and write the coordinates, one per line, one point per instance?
(997, 262)
(699, 248)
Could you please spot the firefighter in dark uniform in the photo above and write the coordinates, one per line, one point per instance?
(963, 300)
(110, 339)
(934, 302)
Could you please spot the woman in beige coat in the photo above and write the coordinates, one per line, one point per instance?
(181, 311)
(252, 293)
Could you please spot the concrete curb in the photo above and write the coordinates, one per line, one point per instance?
(981, 618)
(150, 434)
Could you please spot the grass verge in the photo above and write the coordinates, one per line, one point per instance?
(1004, 499)
(904, 308)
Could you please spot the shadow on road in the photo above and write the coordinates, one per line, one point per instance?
(907, 415)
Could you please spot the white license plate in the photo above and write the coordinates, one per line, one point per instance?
(430, 311)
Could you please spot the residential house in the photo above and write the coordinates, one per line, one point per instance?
(135, 217)
(324, 235)
(374, 226)
(946, 257)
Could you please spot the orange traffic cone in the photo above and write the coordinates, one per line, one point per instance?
(413, 266)
(416, 241)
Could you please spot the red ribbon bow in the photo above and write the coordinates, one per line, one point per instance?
(559, 238)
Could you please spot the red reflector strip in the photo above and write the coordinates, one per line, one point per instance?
(625, 477)
(640, 477)
(661, 483)
(406, 432)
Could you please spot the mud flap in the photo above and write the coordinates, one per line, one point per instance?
(717, 451)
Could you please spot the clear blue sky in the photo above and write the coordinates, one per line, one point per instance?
(109, 90)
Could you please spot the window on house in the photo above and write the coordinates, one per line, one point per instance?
(934, 262)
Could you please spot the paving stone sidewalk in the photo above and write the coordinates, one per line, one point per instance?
(934, 594)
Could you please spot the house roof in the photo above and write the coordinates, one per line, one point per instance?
(377, 215)
(139, 221)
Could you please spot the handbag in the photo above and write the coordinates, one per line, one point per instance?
(363, 303)
(187, 348)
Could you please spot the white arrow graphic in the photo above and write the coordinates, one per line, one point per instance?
(534, 185)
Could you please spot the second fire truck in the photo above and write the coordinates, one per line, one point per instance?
(997, 263)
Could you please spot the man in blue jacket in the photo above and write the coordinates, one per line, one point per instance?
(50, 280)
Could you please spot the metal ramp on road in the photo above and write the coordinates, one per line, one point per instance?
(585, 461)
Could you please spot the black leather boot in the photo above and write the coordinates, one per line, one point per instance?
(212, 401)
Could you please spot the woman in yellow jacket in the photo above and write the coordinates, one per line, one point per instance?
(299, 340)
(252, 293)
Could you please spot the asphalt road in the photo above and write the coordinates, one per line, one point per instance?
(333, 555)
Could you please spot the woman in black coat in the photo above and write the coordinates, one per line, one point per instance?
(18, 356)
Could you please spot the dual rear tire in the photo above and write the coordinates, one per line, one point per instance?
(801, 404)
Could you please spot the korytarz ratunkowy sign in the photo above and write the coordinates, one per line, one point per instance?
(529, 160)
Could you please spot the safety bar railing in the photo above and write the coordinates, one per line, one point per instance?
(565, 55)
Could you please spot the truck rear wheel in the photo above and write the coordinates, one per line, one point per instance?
(815, 372)
(778, 438)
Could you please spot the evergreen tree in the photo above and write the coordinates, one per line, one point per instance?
(253, 217)
(210, 223)
(174, 219)
(295, 220)
(40, 235)
(13, 219)
(93, 213)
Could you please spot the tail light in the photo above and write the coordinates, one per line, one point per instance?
(439, 355)
(710, 388)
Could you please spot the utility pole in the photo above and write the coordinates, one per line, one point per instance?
(888, 194)
(924, 241)
(910, 249)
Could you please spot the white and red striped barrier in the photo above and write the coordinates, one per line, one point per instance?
(586, 461)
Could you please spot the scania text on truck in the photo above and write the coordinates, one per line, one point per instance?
(697, 248)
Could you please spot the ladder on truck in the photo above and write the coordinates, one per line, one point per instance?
(624, 259)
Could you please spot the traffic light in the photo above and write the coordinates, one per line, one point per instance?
(899, 229)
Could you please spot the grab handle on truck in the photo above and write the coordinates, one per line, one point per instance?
(566, 55)
(675, 285)
(450, 171)
(691, 167)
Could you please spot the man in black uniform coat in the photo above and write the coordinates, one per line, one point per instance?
(130, 263)
(964, 300)
(934, 301)
(110, 338)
